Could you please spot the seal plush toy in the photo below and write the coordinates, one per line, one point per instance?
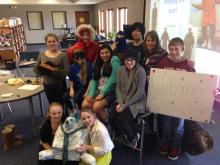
(67, 138)
(196, 140)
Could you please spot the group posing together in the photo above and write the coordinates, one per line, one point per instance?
(104, 76)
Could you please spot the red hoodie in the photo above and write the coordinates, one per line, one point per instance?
(91, 50)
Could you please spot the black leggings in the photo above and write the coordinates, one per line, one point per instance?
(124, 122)
(56, 92)
(56, 162)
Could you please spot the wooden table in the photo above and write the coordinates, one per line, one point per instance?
(19, 94)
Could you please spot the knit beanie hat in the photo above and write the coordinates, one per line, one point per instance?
(139, 26)
(121, 40)
(131, 53)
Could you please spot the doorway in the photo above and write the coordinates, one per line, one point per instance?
(82, 17)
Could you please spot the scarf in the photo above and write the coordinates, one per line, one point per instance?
(66, 142)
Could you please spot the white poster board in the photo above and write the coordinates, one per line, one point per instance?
(181, 94)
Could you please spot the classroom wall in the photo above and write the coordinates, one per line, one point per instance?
(37, 36)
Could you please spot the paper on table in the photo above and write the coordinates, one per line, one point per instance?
(29, 87)
(6, 95)
(4, 73)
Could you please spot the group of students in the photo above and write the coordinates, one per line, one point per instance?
(105, 76)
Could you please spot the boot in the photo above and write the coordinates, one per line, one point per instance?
(13, 127)
(8, 140)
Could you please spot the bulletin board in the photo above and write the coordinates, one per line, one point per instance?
(181, 94)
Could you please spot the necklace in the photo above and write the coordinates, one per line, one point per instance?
(137, 44)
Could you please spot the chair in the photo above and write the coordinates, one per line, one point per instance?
(10, 60)
(28, 59)
(141, 120)
(29, 56)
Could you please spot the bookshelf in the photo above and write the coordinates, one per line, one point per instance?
(13, 38)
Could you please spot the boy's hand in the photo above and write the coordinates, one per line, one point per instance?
(191, 63)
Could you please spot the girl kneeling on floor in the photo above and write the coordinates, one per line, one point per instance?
(100, 142)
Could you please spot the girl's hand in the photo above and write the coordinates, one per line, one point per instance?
(81, 148)
(99, 97)
(114, 46)
(147, 61)
(84, 148)
(118, 108)
(89, 99)
(71, 93)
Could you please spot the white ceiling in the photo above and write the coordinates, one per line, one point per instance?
(51, 2)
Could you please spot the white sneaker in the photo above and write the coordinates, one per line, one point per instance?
(204, 44)
(135, 140)
(209, 45)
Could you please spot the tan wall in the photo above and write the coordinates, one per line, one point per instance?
(135, 10)
(37, 36)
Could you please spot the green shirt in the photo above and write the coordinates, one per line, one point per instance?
(111, 80)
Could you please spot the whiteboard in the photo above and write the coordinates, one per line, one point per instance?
(181, 94)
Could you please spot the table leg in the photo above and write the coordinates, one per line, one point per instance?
(41, 104)
(1, 113)
(32, 116)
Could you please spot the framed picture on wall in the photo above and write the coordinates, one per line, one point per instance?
(35, 20)
(59, 19)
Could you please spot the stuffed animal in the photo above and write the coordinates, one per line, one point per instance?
(67, 138)
(121, 42)
(196, 140)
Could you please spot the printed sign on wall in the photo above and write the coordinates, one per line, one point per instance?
(181, 94)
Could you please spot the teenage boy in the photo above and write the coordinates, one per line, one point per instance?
(171, 128)
(137, 33)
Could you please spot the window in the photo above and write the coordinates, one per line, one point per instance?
(59, 19)
(35, 20)
(101, 22)
(109, 20)
(121, 17)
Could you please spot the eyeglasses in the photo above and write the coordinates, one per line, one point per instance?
(79, 55)
(120, 36)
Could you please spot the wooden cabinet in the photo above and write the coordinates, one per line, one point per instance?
(13, 38)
